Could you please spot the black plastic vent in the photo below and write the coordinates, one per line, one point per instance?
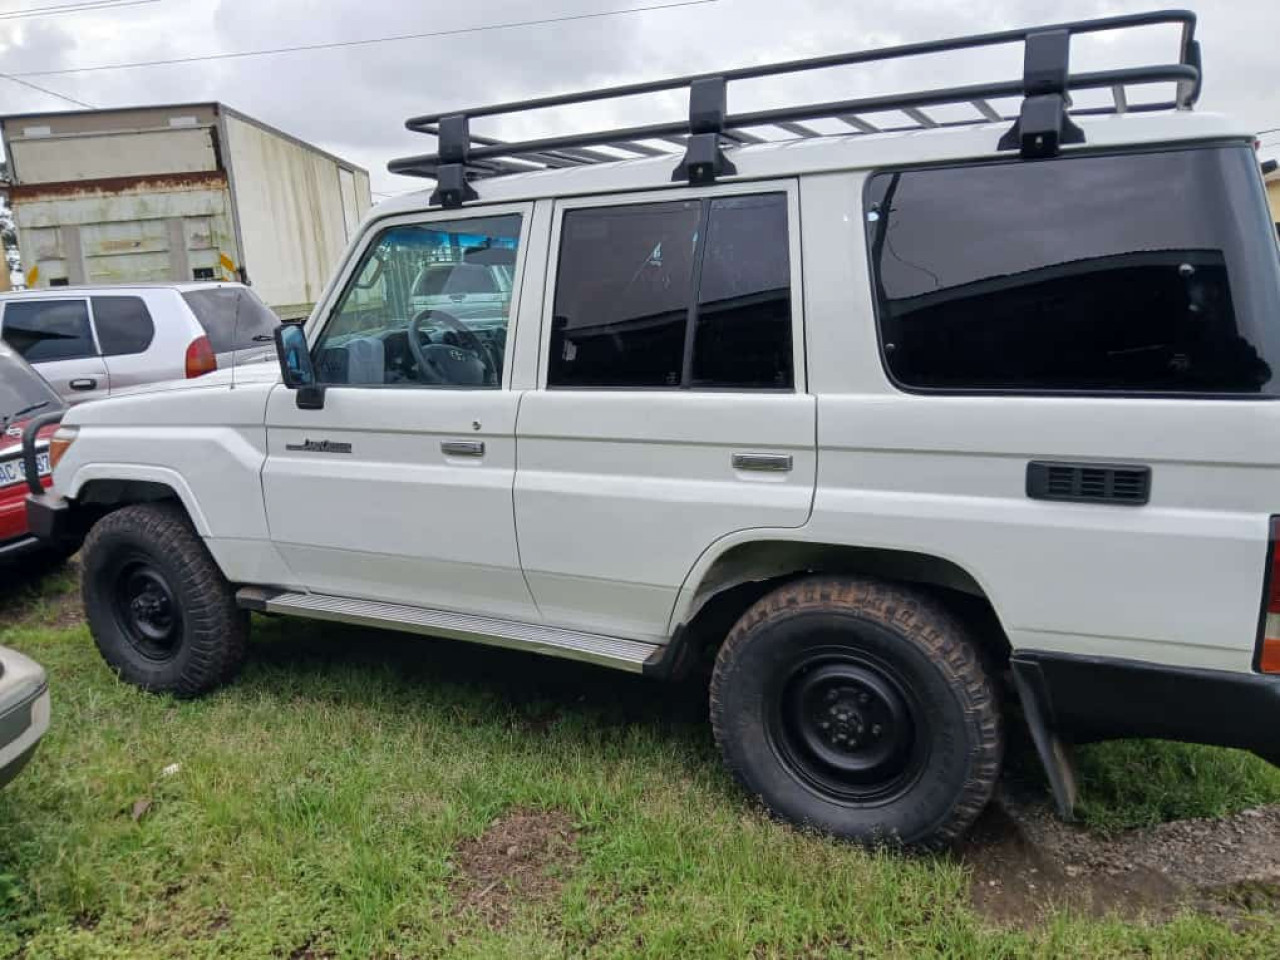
(1088, 482)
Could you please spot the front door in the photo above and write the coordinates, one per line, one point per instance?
(56, 337)
(400, 487)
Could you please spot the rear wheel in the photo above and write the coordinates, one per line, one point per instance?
(858, 708)
(160, 610)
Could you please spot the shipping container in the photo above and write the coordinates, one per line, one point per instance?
(185, 192)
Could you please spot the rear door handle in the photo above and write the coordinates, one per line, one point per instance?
(463, 448)
(766, 462)
(83, 383)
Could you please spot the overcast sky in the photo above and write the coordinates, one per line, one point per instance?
(353, 101)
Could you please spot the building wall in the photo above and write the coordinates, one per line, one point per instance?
(125, 231)
(1273, 196)
(104, 156)
(294, 206)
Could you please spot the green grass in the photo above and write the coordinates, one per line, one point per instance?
(320, 797)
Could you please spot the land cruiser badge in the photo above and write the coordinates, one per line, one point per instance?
(319, 446)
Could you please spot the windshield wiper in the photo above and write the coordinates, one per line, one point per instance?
(22, 413)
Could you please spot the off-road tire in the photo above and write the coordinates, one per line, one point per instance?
(209, 646)
(932, 666)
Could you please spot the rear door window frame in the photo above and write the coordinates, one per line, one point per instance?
(789, 187)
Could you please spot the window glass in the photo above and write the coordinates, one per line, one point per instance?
(622, 295)
(232, 317)
(21, 387)
(428, 306)
(743, 333)
(124, 325)
(45, 330)
(1143, 273)
(639, 285)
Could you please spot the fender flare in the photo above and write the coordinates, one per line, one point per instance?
(149, 474)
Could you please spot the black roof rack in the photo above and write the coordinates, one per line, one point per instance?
(1042, 126)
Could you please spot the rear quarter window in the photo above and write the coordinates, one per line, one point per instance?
(1145, 273)
(232, 317)
(124, 325)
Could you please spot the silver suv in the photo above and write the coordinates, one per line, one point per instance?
(90, 342)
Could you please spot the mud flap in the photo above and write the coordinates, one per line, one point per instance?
(1055, 755)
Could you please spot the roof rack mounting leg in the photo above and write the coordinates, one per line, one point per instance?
(704, 160)
(452, 188)
(1043, 125)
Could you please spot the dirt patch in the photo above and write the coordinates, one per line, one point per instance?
(523, 858)
(1026, 863)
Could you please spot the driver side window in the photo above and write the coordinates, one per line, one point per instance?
(428, 306)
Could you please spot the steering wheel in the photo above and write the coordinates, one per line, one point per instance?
(441, 363)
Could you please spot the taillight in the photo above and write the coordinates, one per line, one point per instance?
(200, 358)
(1269, 643)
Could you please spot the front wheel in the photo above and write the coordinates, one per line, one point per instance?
(858, 708)
(163, 616)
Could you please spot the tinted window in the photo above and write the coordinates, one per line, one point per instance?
(638, 286)
(622, 295)
(426, 307)
(21, 387)
(44, 330)
(743, 334)
(124, 325)
(1138, 273)
(233, 317)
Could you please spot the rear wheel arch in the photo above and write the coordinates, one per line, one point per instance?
(745, 572)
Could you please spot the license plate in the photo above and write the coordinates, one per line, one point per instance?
(15, 471)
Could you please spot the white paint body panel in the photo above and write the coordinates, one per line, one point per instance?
(397, 518)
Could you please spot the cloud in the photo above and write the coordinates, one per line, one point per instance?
(354, 101)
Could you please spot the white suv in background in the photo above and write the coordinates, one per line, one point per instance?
(90, 342)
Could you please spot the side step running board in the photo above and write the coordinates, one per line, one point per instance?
(631, 655)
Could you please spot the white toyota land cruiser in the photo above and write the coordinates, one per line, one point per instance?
(911, 418)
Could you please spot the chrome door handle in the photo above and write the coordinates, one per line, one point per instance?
(768, 462)
(84, 383)
(463, 448)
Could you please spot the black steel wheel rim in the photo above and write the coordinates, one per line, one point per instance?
(146, 608)
(845, 723)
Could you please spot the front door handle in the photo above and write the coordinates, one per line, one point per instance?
(463, 448)
(766, 462)
(84, 383)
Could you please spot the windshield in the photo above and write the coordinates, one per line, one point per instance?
(21, 387)
(233, 317)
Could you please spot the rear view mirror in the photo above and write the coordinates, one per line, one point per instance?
(294, 357)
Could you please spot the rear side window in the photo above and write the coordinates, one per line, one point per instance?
(46, 330)
(1147, 273)
(693, 294)
(124, 325)
(233, 317)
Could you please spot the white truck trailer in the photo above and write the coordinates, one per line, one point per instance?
(185, 192)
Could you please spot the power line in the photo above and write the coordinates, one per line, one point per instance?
(52, 93)
(85, 7)
(358, 43)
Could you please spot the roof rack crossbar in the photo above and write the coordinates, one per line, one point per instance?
(1044, 122)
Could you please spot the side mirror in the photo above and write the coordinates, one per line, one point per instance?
(296, 367)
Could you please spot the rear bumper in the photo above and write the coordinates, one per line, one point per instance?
(1085, 699)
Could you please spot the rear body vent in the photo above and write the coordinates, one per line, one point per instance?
(1089, 482)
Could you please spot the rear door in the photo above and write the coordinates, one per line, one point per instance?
(56, 337)
(672, 408)
(133, 353)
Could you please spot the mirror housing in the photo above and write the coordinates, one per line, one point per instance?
(296, 368)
